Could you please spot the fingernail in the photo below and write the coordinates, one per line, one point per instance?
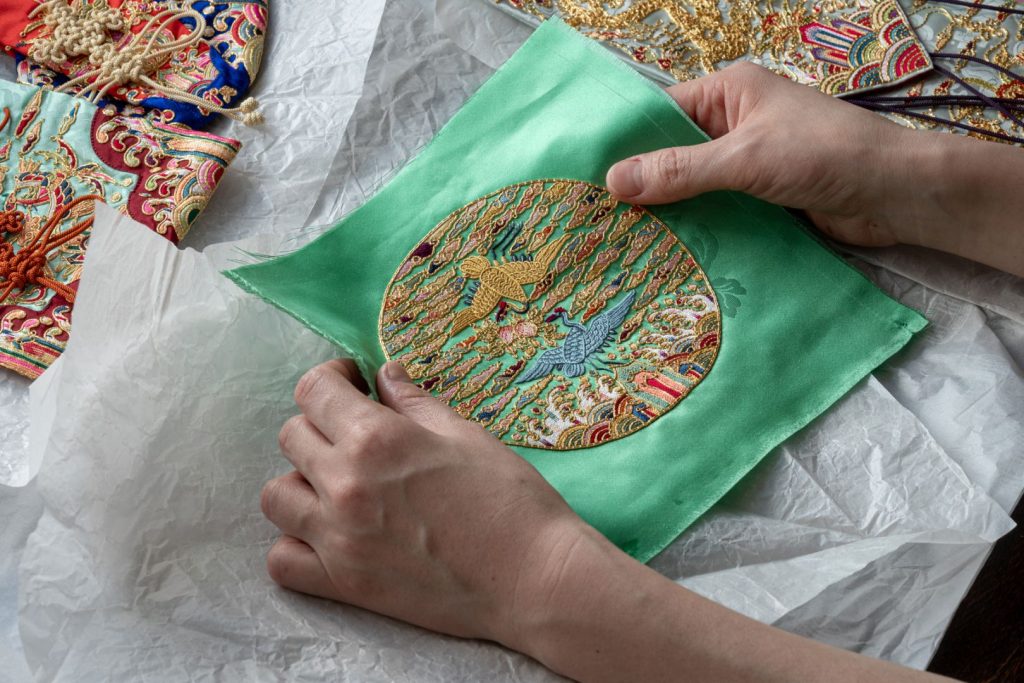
(626, 178)
(394, 371)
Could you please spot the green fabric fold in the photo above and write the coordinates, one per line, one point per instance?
(799, 328)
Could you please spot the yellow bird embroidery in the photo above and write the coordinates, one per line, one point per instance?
(504, 279)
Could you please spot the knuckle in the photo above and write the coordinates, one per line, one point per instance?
(669, 168)
(364, 437)
(311, 383)
(278, 564)
(269, 497)
(287, 432)
(346, 367)
(351, 497)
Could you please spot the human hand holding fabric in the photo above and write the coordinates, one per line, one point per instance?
(404, 508)
(861, 178)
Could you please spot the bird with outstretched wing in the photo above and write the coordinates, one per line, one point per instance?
(582, 342)
(502, 279)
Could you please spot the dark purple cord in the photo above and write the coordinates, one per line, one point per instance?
(929, 101)
(977, 60)
(978, 5)
(985, 98)
(935, 119)
(1009, 107)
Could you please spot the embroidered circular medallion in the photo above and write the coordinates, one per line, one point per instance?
(552, 314)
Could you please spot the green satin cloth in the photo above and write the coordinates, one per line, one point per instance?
(799, 327)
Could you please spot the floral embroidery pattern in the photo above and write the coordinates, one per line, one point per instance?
(219, 69)
(553, 315)
(839, 46)
(49, 174)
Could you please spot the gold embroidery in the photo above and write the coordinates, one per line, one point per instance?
(502, 280)
(817, 43)
(553, 315)
(840, 46)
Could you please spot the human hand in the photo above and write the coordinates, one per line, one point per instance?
(405, 508)
(782, 142)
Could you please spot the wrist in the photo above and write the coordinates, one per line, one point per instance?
(555, 586)
(918, 201)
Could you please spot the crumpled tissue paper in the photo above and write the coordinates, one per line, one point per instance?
(147, 561)
(311, 79)
(864, 530)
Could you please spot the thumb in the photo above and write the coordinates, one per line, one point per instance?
(398, 392)
(675, 173)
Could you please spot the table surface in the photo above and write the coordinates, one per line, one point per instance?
(985, 640)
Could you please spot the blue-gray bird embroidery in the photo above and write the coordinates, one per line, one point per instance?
(582, 342)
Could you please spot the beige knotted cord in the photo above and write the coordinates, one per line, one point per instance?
(76, 30)
(114, 65)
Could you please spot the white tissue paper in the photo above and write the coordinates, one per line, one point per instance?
(147, 563)
(311, 79)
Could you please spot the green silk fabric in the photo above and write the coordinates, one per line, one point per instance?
(799, 328)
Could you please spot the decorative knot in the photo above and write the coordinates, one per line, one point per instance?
(75, 29)
(11, 222)
(82, 27)
(28, 265)
(119, 66)
(23, 268)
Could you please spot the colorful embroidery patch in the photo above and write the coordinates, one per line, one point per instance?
(86, 40)
(554, 315)
(57, 155)
(839, 46)
(865, 49)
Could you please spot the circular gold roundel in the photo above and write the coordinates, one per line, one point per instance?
(553, 315)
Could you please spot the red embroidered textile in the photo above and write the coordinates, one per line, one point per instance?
(58, 154)
(220, 52)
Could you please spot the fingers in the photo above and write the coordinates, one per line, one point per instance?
(703, 100)
(331, 395)
(291, 504)
(668, 175)
(719, 102)
(398, 392)
(303, 444)
(293, 564)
